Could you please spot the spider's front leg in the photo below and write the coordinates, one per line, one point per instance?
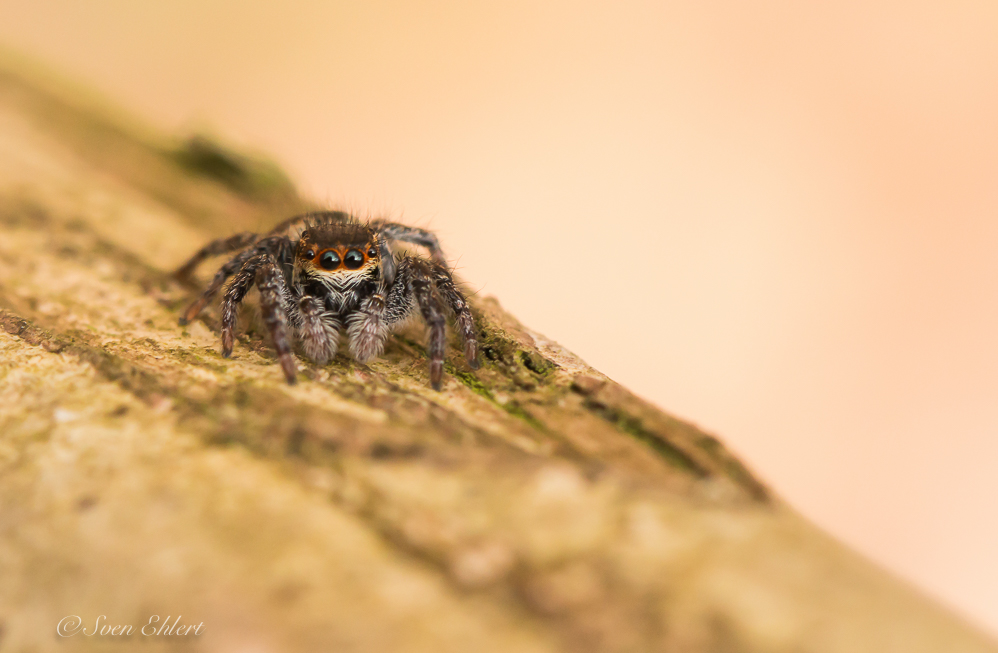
(431, 287)
(234, 295)
(462, 314)
(436, 322)
(264, 271)
(273, 290)
(216, 284)
(237, 263)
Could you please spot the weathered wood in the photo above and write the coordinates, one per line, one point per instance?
(532, 505)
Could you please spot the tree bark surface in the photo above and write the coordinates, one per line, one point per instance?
(531, 505)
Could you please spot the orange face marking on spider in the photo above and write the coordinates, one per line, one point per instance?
(341, 257)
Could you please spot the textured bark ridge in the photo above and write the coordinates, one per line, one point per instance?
(532, 505)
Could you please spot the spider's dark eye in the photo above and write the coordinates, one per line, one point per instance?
(310, 254)
(353, 259)
(330, 261)
(372, 252)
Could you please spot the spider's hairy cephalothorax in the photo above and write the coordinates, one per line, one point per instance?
(338, 274)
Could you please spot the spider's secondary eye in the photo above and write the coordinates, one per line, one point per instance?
(330, 261)
(372, 252)
(353, 259)
(310, 254)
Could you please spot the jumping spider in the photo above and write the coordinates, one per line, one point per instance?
(338, 274)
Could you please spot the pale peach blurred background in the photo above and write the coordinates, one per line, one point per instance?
(776, 219)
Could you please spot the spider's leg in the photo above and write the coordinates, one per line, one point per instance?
(284, 225)
(216, 284)
(462, 314)
(214, 248)
(319, 330)
(415, 235)
(305, 219)
(273, 290)
(433, 315)
(234, 294)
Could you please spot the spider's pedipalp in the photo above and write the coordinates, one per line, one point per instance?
(368, 330)
(319, 331)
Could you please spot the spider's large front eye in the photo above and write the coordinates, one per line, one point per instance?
(353, 259)
(330, 261)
